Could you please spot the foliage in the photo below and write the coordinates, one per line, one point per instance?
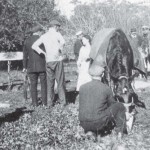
(58, 128)
(18, 16)
(97, 15)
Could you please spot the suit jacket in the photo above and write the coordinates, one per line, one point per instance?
(94, 98)
(32, 61)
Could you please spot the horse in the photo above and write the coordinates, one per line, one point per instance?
(116, 56)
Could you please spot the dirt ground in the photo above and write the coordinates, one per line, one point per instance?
(25, 128)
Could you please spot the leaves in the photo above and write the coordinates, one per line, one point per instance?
(19, 16)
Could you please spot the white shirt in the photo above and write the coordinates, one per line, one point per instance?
(84, 54)
(53, 42)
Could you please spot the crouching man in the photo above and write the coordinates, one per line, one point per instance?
(97, 106)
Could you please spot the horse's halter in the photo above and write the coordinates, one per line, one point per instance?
(125, 89)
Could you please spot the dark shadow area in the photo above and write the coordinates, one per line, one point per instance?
(14, 116)
(15, 65)
(70, 97)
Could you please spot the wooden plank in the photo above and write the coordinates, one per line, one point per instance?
(10, 56)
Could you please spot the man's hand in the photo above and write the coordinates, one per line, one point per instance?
(43, 53)
(24, 70)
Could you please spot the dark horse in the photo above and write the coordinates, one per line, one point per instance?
(119, 59)
(120, 65)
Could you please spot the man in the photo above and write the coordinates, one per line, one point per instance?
(53, 42)
(97, 106)
(145, 45)
(136, 42)
(36, 67)
(78, 44)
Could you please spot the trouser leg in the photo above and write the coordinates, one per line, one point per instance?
(50, 83)
(34, 79)
(43, 80)
(117, 112)
(60, 78)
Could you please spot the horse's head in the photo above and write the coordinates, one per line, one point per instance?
(122, 88)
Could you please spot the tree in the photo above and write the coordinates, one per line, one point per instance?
(18, 16)
(108, 14)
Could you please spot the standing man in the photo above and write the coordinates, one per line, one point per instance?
(145, 45)
(136, 42)
(78, 44)
(35, 65)
(53, 42)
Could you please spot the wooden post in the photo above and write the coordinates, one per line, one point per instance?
(9, 78)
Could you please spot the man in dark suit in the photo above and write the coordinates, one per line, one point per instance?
(35, 65)
(97, 106)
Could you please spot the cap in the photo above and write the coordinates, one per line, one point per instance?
(96, 70)
(55, 22)
(35, 29)
(79, 33)
(145, 27)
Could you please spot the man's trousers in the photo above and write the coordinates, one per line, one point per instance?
(34, 82)
(114, 113)
(55, 70)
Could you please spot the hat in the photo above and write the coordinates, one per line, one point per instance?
(79, 33)
(55, 22)
(35, 29)
(145, 27)
(133, 30)
(96, 70)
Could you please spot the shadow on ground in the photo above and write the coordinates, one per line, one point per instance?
(14, 116)
(70, 97)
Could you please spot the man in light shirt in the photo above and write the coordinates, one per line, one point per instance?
(53, 42)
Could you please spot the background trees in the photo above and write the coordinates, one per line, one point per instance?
(18, 16)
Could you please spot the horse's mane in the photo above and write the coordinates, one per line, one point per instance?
(118, 48)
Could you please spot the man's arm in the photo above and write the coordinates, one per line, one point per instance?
(36, 46)
(61, 41)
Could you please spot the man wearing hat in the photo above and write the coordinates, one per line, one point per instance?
(145, 52)
(53, 42)
(136, 42)
(35, 65)
(78, 44)
(97, 106)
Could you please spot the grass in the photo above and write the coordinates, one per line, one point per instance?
(25, 128)
(58, 128)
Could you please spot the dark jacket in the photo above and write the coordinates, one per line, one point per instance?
(77, 46)
(94, 98)
(32, 61)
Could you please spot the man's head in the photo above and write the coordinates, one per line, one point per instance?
(55, 24)
(36, 30)
(133, 32)
(79, 35)
(96, 71)
(145, 30)
(86, 39)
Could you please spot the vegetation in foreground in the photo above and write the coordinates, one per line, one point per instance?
(23, 128)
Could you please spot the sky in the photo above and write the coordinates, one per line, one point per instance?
(66, 7)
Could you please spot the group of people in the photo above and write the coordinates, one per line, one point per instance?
(43, 59)
(97, 107)
(141, 44)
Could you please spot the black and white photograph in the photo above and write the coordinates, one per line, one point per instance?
(74, 74)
